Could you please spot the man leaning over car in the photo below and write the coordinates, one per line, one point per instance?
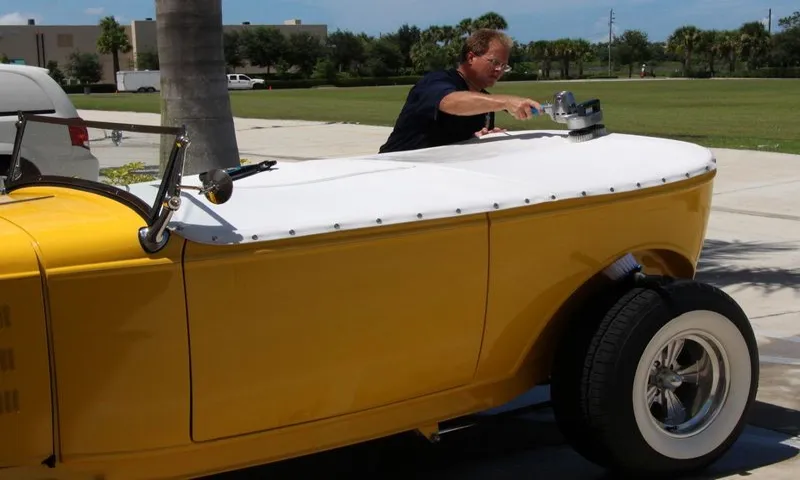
(452, 105)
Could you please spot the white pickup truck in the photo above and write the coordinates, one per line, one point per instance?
(237, 81)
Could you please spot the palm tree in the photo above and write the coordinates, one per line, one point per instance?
(465, 27)
(432, 34)
(684, 40)
(634, 48)
(728, 45)
(194, 89)
(754, 44)
(113, 40)
(491, 20)
(427, 56)
(710, 46)
(448, 34)
(563, 50)
(544, 52)
(583, 53)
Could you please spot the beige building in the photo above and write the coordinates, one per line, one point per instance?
(38, 44)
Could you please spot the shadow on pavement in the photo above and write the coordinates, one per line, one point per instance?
(776, 418)
(502, 448)
(757, 448)
(493, 450)
(721, 263)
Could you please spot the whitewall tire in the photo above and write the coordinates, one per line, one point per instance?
(666, 381)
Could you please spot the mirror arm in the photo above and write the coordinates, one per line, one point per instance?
(217, 186)
(155, 235)
(14, 167)
(153, 238)
(175, 168)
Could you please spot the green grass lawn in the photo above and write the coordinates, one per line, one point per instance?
(749, 114)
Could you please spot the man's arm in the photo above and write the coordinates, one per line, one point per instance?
(473, 103)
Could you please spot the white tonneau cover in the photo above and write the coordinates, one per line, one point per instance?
(496, 172)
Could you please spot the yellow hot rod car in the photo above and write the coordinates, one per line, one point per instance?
(202, 323)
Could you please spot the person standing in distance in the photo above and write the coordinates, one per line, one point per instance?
(452, 105)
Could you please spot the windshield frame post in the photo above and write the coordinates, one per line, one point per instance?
(173, 173)
(14, 168)
(154, 236)
(146, 209)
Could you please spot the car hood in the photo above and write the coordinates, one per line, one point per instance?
(71, 227)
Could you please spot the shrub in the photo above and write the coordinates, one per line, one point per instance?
(135, 172)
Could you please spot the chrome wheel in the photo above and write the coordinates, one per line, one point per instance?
(688, 383)
(664, 385)
(692, 384)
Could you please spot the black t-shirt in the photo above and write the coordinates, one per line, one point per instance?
(421, 124)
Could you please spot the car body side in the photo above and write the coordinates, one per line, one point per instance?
(204, 358)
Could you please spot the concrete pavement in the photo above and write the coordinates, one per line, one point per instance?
(752, 252)
(285, 140)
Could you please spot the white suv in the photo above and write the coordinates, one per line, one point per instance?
(48, 149)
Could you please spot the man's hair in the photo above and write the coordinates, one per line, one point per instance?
(478, 42)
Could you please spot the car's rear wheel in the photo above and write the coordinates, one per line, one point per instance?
(29, 170)
(666, 382)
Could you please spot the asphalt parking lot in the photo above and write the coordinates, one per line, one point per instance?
(752, 252)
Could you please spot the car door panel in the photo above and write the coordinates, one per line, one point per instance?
(25, 394)
(296, 331)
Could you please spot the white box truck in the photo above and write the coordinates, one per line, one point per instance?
(139, 81)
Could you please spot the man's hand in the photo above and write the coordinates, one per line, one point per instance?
(520, 107)
(486, 131)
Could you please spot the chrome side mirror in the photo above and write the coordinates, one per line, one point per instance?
(217, 186)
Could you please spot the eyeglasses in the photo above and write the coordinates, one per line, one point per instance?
(497, 64)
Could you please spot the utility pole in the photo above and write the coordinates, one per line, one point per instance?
(610, 35)
(770, 21)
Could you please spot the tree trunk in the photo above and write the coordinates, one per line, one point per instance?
(194, 88)
(115, 59)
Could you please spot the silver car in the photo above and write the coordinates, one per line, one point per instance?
(48, 149)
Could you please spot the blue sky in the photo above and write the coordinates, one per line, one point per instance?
(528, 19)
